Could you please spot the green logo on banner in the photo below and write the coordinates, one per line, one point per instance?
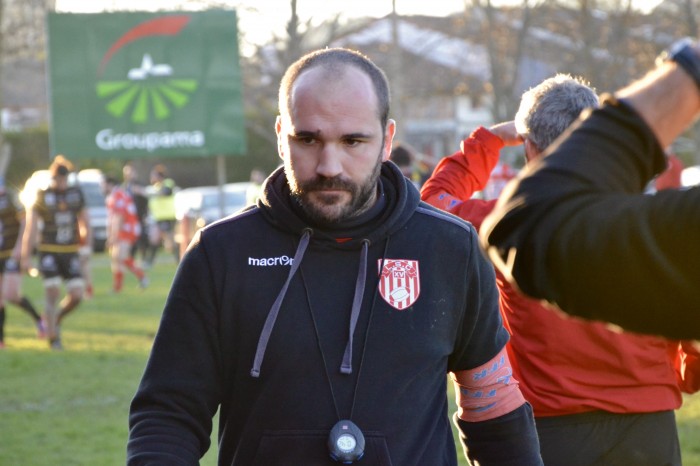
(149, 89)
(141, 84)
(149, 92)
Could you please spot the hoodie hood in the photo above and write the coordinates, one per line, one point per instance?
(400, 201)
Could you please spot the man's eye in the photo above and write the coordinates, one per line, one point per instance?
(306, 140)
(352, 142)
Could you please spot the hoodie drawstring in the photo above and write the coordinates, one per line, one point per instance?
(275, 309)
(346, 365)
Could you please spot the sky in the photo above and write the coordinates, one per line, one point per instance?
(259, 20)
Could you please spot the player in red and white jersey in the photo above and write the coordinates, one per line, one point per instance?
(123, 230)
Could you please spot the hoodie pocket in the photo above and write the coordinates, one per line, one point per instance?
(310, 448)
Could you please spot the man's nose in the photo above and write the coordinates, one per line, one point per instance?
(329, 163)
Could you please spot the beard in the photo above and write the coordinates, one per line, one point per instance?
(323, 207)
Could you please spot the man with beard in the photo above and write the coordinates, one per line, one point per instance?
(323, 322)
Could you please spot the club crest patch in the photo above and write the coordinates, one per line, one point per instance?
(399, 282)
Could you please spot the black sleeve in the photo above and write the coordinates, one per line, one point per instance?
(508, 440)
(482, 333)
(170, 419)
(577, 231)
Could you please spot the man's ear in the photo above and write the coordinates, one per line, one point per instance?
(388, 139)
(278, 131)
(532, 152)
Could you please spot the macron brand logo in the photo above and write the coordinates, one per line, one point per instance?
(270, 261)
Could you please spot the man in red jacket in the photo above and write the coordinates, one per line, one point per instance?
(599, 396)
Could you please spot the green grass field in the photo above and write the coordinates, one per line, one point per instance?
(70, 407)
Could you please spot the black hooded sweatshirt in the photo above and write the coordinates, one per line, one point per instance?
(578, 232)
(266, 307)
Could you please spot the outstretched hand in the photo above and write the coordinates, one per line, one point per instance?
(506, 131)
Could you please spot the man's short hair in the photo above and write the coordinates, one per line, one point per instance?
(549, 108)
(334, 59)
(160, 170)
(60, 166)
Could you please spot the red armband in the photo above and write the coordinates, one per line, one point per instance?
(488, 391)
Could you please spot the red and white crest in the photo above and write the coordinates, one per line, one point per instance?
(399, 282)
